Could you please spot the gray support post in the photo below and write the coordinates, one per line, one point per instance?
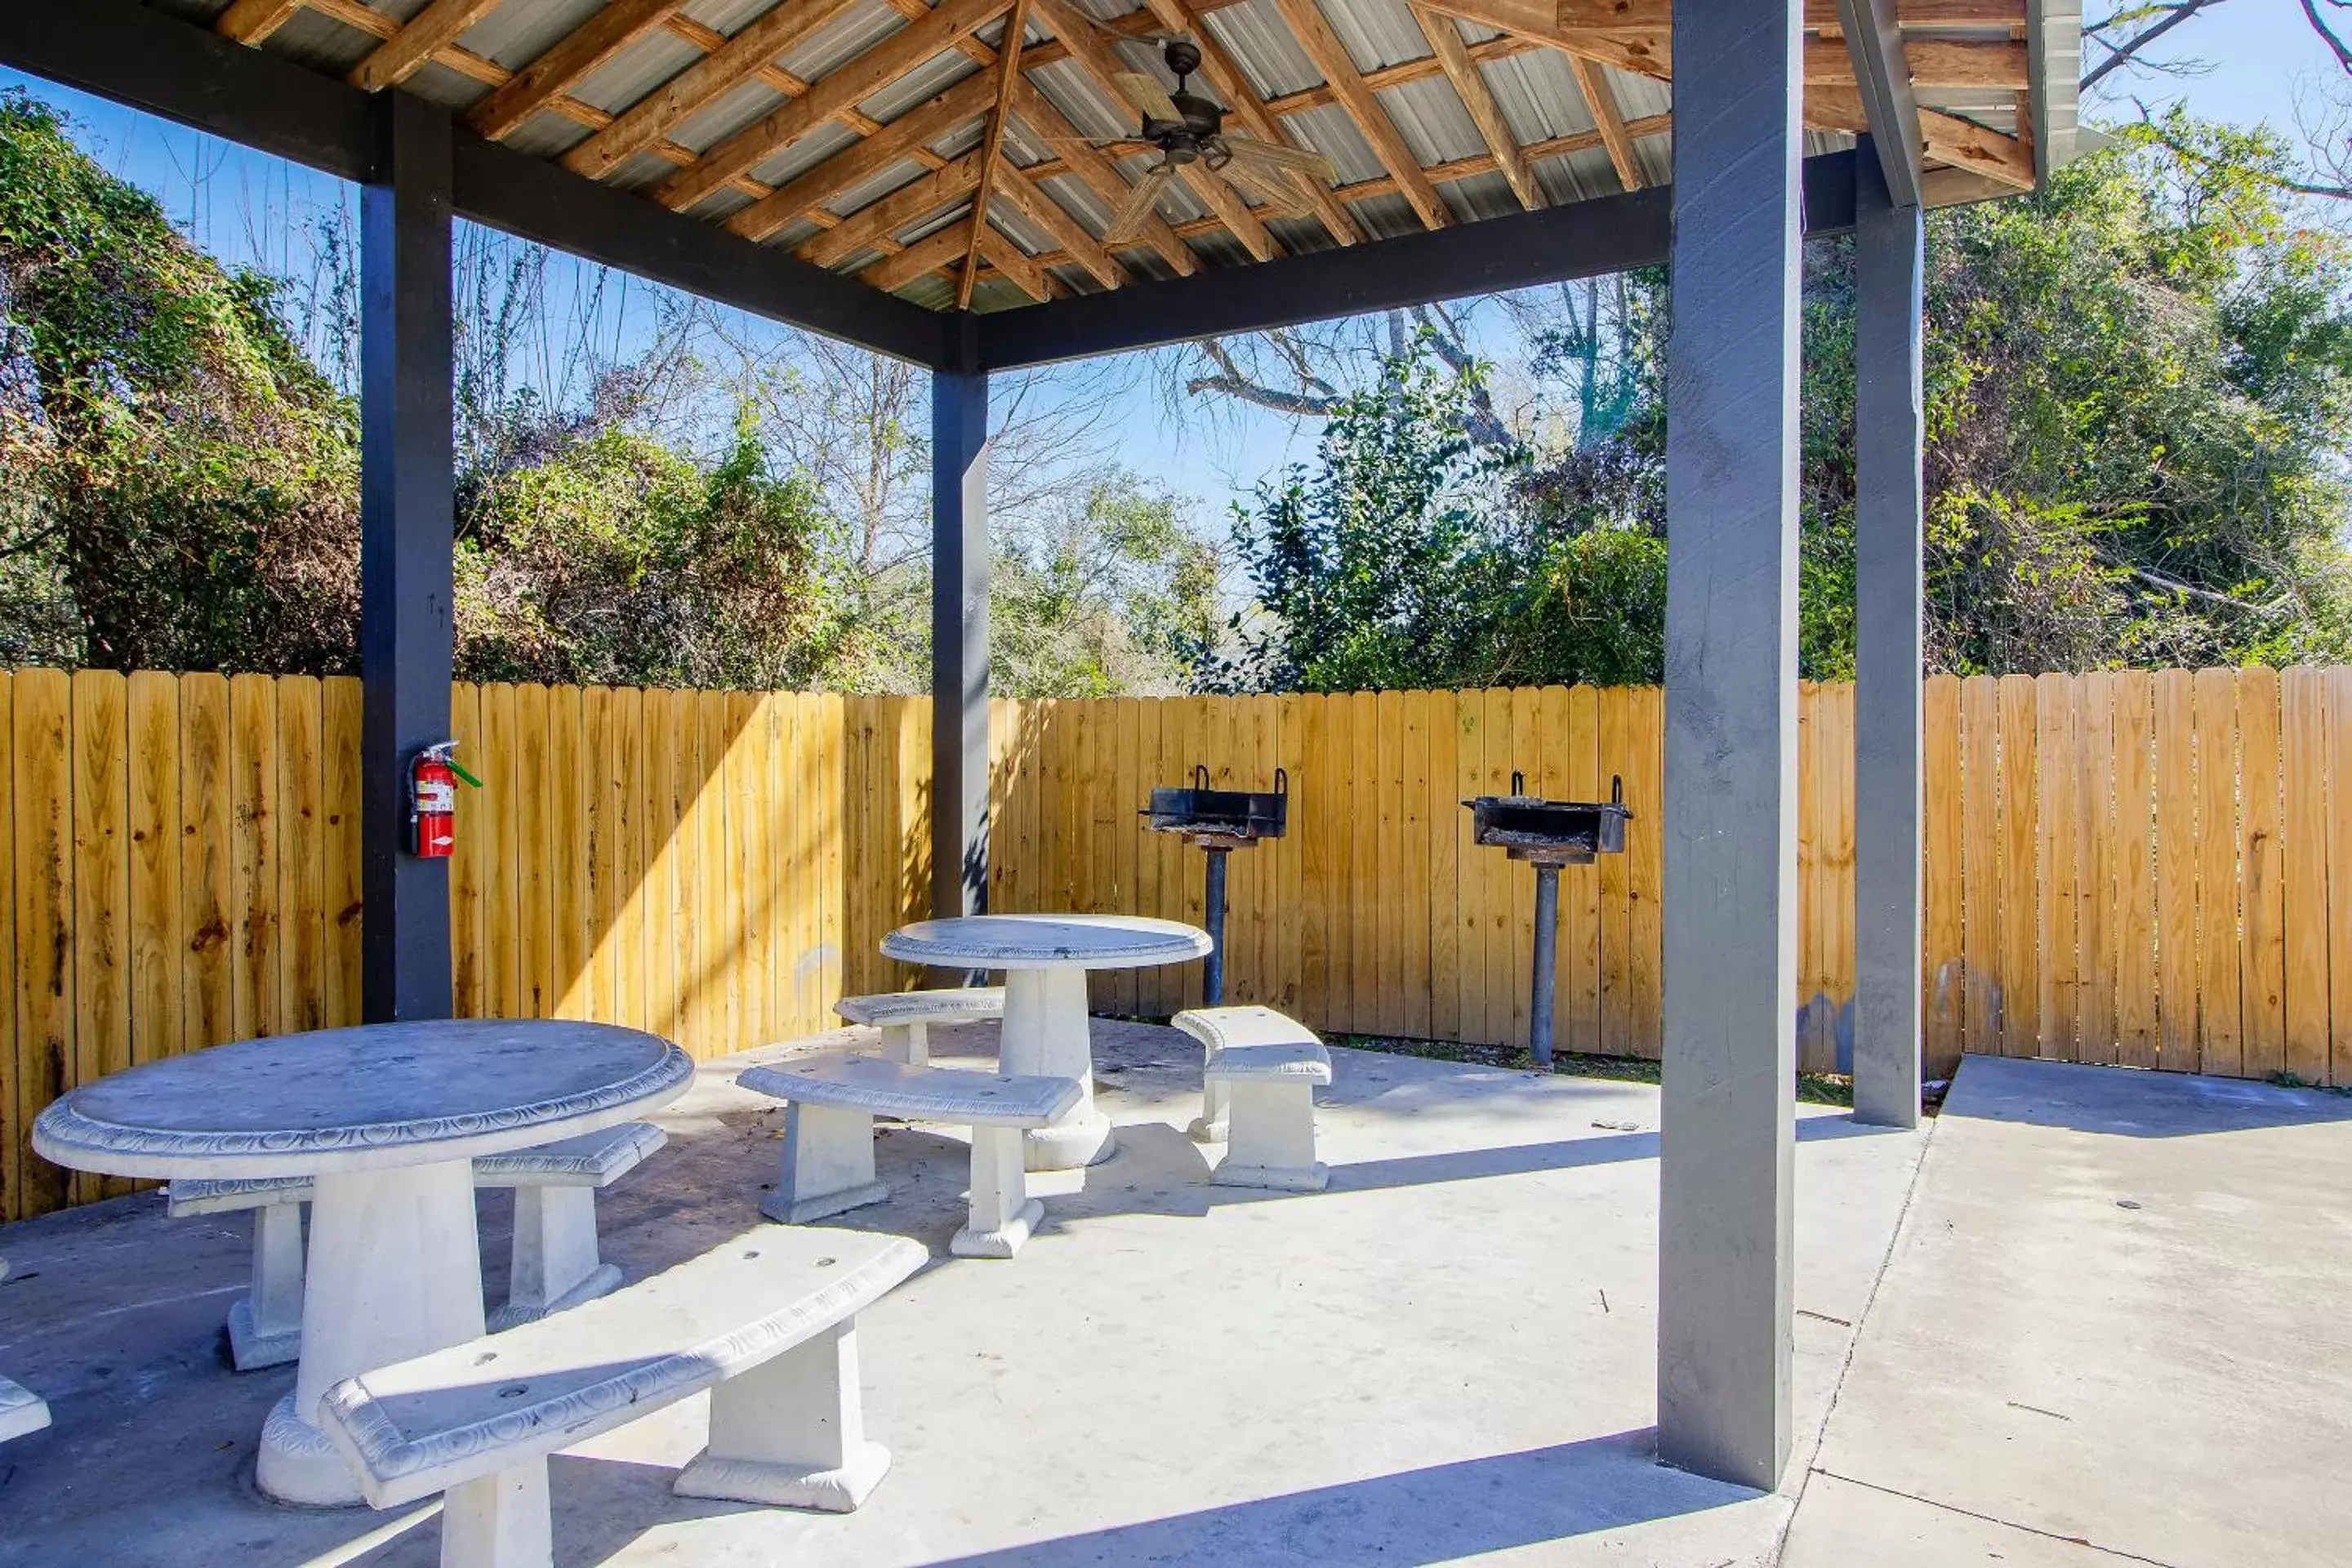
(408, 523)
(1889, 586)
(1726, 1213)
(959, 642)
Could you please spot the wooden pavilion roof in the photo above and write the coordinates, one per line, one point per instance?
(891, 139)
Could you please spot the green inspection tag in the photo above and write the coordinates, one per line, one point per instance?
(461, 772)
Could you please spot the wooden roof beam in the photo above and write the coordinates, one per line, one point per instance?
(719, 72)
(252, 21)
(845, 88)
(926, 255)
(1016, 28)
(911, 203)
(1608, 120)
(1934, 63)
(1453, 57)
(1232, 85)
(399, 57)
(1017, 267)
(574, 55)
(1947, 138)
(862, 159)
(1032, 203)
(1332, 58)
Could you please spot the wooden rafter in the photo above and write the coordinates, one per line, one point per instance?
(1014, 264)
(1453, 57)
(252, 21)
(1090, 48)
(1960, 143)
(1016, 187)
(860, 78)
(1008, 68)
(704, 82)
(862, 159)
(910, 204)
(1332, 58)
(1225, 74)
(576, 54)
(1608, 121)
(399, 57)
(926, 255)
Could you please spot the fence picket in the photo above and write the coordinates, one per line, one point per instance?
(2176, 870)
(101, 909)
(2261, 962)
(2303, 847)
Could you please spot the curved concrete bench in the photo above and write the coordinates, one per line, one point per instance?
(554, 1263)
(768, 1322)
(903, 1016)
(1266, 1066)
(21, 1410)
(828, 1162)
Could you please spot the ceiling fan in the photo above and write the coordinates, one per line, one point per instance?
(1186, 128)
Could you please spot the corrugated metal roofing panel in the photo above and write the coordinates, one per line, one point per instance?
(804, 154)
(1257, 37)
(727, 16)
(1332, 132)
(517, 32)
(636, 71)
(857, 29)
(1429, 115)
(1577, 177)
(1537, 95)
(931, 78)
(320, 43)
(725, 115)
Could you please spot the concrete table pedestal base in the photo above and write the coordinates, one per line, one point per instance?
(1045, 1035)
(394, 1271)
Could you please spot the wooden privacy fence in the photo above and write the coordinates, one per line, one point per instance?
(2143, 868)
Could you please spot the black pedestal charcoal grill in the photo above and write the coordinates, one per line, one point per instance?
(1549, 834)
(1219, 821)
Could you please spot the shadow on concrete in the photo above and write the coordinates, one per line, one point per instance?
(2131, 1102)
(1440, 1514)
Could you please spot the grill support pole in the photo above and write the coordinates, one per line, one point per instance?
(1546, 964)
(1212, 968)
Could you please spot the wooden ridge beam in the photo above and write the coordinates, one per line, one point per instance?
(1608, 121)
(1090, 48)
(574, 55)
(1016, 31)
(719, 72)
(859, 79)
(1453, 57)
(1338, 67)
(1232, 85)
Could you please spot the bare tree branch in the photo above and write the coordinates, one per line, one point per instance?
(2128, 52)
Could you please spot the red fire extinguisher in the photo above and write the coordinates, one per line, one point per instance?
(433, 801)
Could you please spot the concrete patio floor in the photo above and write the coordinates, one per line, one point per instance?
(2114, 1331)
(1447, 1355)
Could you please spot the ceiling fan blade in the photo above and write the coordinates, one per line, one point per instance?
(1266, 154)
(1132, 218)
(1147, 95)
(1272, 187)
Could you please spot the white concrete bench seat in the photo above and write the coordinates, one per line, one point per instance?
(904, 1017)
(21, 1410)
(554, 1263)
(1266, 1066)
(828, 1160)
(768, 1322)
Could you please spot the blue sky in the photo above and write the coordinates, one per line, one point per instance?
(252, 209)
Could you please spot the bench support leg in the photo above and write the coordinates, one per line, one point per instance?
(264, 1326)
(791, 1433)
(1272, 1139)
(828, 1165)
(555, 1263)
(499, 1520)
(1215, 1122)
(907, 1043)
(1002, 1212)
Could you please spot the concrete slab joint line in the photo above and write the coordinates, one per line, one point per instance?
(1995, 1519)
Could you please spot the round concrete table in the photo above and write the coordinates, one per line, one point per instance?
(387, 1119)
(1045, 959)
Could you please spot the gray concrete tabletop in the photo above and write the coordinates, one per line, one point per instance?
(1047, 941)
(367, 1097)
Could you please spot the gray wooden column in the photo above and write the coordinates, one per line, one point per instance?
(1729, 900)
(959, 642)
(1888, 427)
(406, 528)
